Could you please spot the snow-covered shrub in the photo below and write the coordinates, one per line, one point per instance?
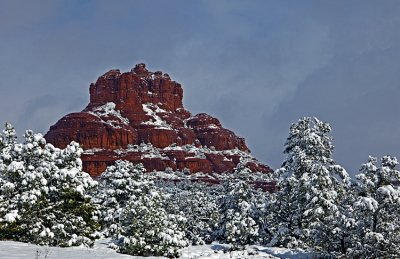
(197, 202)
(132, 209)
(44, 193)
(118, 184)
(377, 211)
(309, 208)
(238, 209)
(147, 229)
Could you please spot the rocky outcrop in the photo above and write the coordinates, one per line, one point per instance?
(139, 116)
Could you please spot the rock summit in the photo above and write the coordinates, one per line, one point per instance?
(139, 116)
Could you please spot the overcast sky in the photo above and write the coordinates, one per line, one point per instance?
(258, 66)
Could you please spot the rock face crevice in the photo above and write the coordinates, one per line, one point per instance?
(139, 116)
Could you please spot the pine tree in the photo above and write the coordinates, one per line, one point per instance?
(237, 225)
(308, 207)
(44, 193)
(147, 229)
(117, 185)
(377, 210)
(132, 209)
(197, 202)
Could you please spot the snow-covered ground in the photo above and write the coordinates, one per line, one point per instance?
(17, 250)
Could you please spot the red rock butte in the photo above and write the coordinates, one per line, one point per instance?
(139, 116)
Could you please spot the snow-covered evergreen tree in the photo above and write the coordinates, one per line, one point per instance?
(147, 229)
(238, 207)
(197, 202)
(117, 185)
(44, 193)
(132, 209)
(377, 210)
(308, 206)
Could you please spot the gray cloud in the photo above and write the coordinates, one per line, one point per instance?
(258, 66)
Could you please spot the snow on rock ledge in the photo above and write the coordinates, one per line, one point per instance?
(132, 108)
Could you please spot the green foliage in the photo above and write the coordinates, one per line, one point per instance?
(198, 203)
(148, 230)
(44, 193)
(377, 211)
(133, 213)
(309, 209)
(117, 185)
(238, 209)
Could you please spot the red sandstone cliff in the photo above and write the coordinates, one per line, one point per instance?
(139, 116)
